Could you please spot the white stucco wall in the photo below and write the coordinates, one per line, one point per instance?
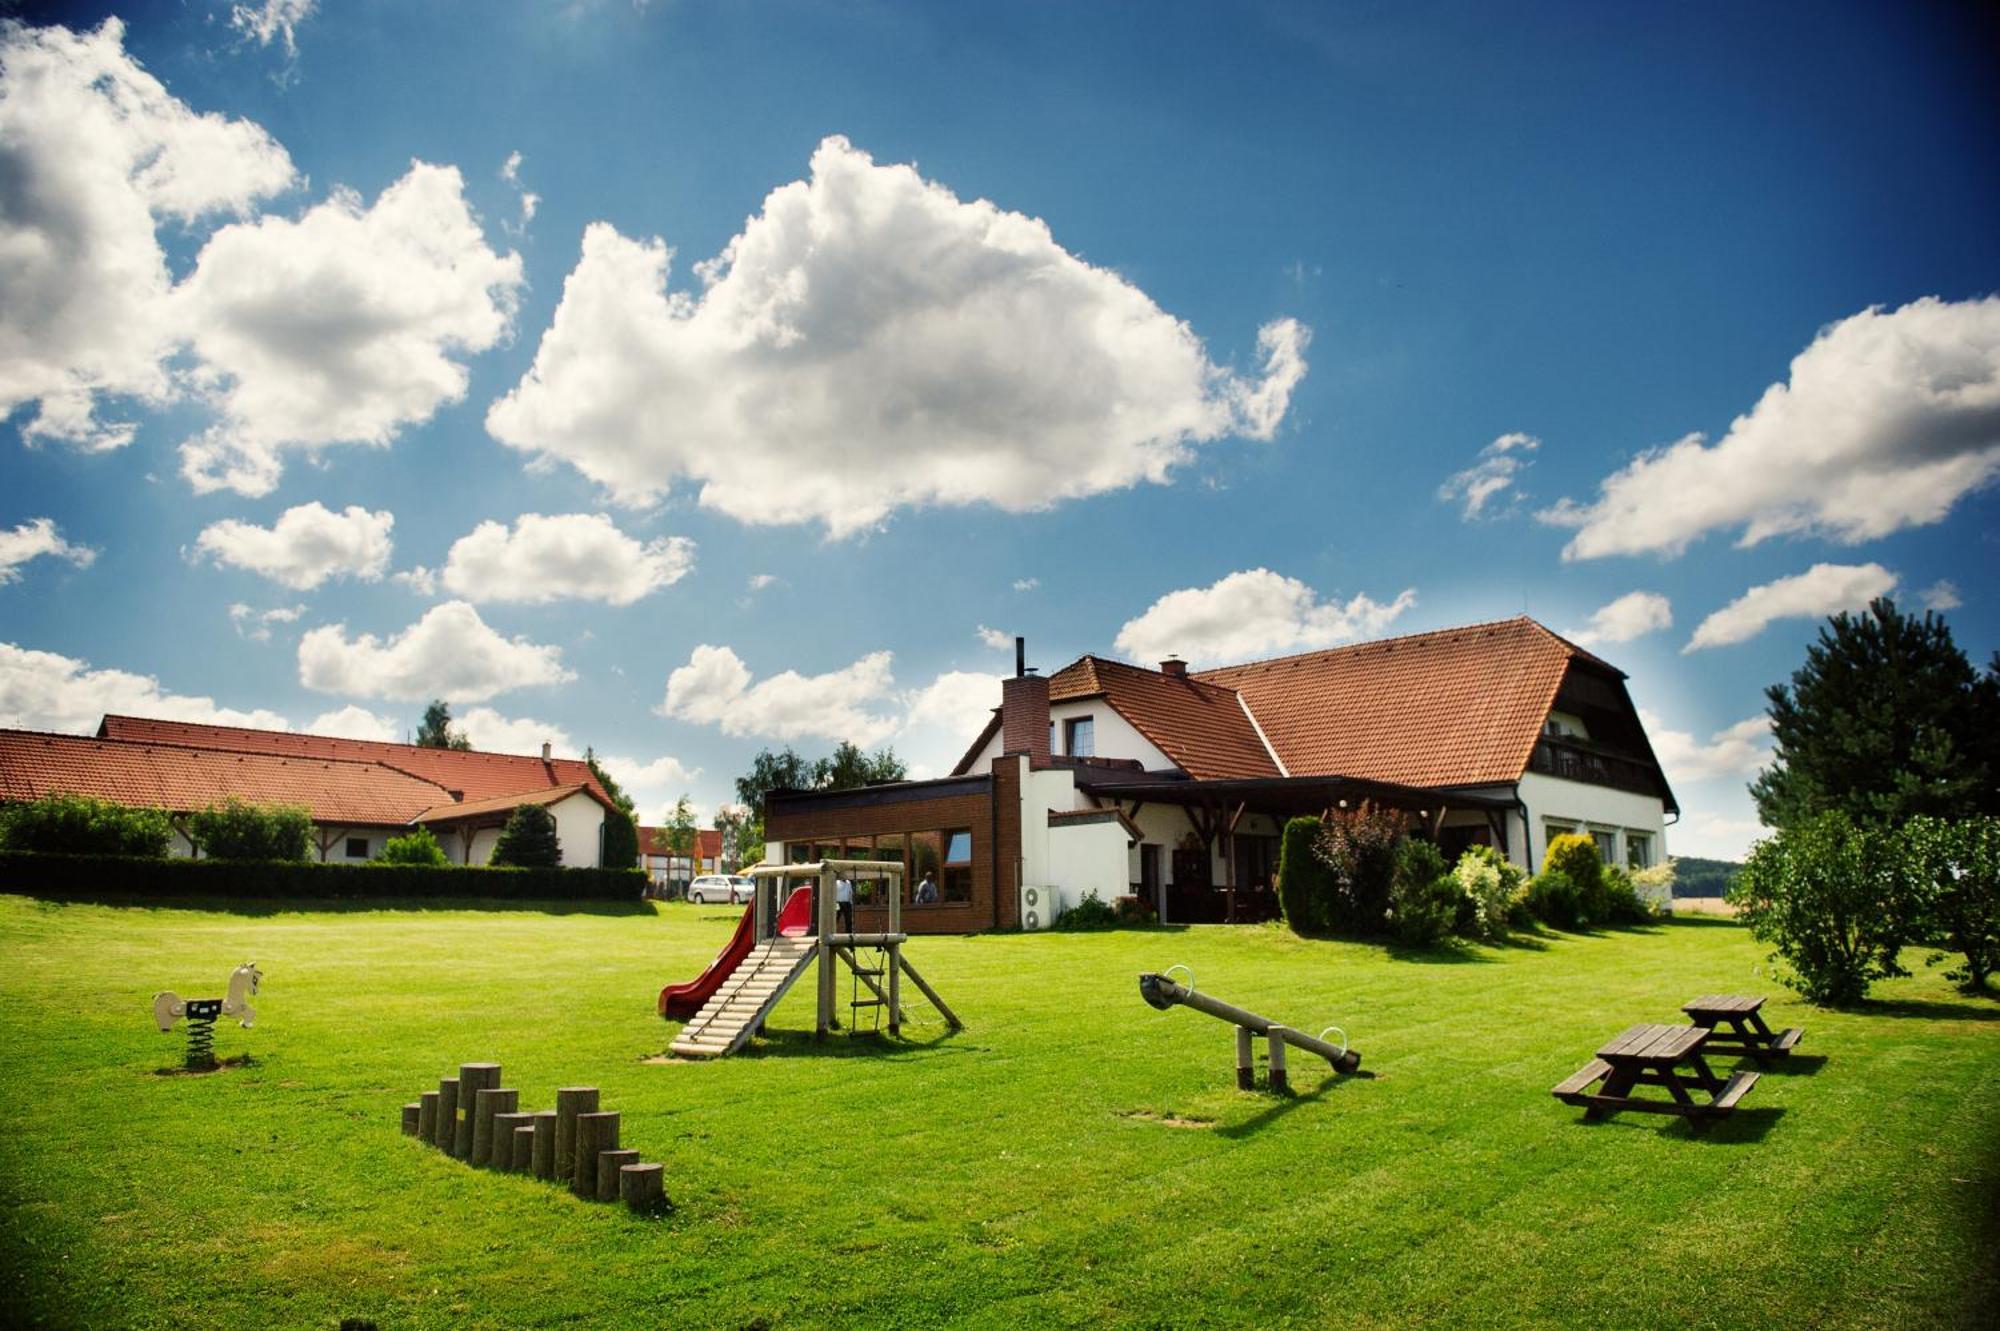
(580, 830)
(1087, 857)
(1583, 807)
(1114, 737)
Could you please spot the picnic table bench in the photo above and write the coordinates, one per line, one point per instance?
(1666, 1056)
(1747, 1033)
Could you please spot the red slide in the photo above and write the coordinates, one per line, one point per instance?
(681, 1001)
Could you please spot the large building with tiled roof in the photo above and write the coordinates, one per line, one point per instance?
(358, 792)
(1501, 733)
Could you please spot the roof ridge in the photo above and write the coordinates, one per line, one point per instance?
(1386, 642)
(301, 735)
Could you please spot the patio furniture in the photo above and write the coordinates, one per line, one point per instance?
(1669, 1057)
(1747, 1033)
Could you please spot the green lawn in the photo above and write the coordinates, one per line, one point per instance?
(1021, 1173)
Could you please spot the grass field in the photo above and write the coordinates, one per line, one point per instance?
(1071, 1158)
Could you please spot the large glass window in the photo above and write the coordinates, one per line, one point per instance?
(1638, 850)
(957, 883)
(1607, 845)
(1080, 737)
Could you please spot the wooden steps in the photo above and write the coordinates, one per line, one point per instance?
(728, 1020)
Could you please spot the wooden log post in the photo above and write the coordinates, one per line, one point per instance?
(524, 1147)
(545, 1144)
(823, 913)
(486, 1102)
(570, 1102)
(447, 1124)
(472, 1079)
(1246, 1061)
(608, 1165)
(643, 1187)
(595, 1132)
(500, 1153)
(427, 1117)
(412, 1116)
(1279, 1080)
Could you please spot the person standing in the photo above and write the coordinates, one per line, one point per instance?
(927, 893)
(843, 903)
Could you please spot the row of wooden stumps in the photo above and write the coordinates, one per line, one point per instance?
(472, 1117)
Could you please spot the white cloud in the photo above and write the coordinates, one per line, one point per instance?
(420, 580)
(653, 784)
(1499, 463)
(759, 581)
(1715, 835)
(352, 722)
(306, 546)
(34, 539)
(490, 732)
(1026, 584)
(1252, 614)
(1740, 750)
(1886, 421)
(48, 691)
(510, 171)
(1628, 617)
(341, 327)
(579, 556)
(273, 20)
(256, 624)
(94, 153)
(1822, 589)
(997, 639)
(450, 653)
(715, 688)
(1940, 595)
(870, 342)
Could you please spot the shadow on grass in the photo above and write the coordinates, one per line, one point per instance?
(1741, 1127)
(1791, 1065)
(1971, 1010)
(866, 1044)
(1284, 1102)
(1693, 921)
(342, 905)
(1446, 952)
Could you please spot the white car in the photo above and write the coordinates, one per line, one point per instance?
(714, 889)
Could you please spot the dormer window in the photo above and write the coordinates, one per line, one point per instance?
(1080, 737)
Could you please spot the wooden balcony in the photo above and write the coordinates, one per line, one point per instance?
(1575, 760)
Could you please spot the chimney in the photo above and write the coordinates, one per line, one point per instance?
(1174, 668)
(545, 750)
(1024, 709)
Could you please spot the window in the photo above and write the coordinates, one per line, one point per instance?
(1607, 845)
(956, 885)
(357, 848)
(1080, 737)
(1638, 850)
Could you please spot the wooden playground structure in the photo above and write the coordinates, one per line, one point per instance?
(788, 938)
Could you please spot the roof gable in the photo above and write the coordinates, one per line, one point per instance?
(1201, 727)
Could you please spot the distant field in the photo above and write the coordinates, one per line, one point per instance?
(1027, 1172)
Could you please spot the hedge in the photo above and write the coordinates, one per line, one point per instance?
(279, 880)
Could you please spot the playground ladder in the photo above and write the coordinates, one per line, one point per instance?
(728, 1020)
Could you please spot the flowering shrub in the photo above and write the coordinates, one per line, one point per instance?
(1493, 886)
(1358, 846)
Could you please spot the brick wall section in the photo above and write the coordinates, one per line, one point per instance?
(972, 810)
(1007, 799)
(1024, 716)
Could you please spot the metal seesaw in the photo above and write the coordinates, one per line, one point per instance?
(1161, 992)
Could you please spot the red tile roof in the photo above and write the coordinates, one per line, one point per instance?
(502, 804)
(1201, 727)
(1459, 706)
(474, 775)
(708, 842)
(181, 779)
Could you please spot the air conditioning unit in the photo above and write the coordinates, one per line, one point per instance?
(1040, 906)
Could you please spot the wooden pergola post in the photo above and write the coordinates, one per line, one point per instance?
(823, 912)
(894, 882)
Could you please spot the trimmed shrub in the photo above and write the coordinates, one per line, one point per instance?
(1491, 885)
(1090, 913)
(1622, 903)
(418, 847)
(1553, 899)
(236, 830)
(84, 825)
(1304, 882)
(1423, 895)
(1359, 847)
(528, 841)
(1575, 855)
(1833, 899)
(621, 840)
(97, 876)
(1954, 868)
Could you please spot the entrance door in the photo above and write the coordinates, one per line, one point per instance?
(1190, 900)
(1149, 874)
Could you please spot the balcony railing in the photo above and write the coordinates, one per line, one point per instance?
(1582, 762)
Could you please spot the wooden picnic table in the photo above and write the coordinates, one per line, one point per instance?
(1747, 1033)
(1669, 1057)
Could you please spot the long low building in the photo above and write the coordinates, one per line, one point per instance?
(358, 792)
(1173, 785)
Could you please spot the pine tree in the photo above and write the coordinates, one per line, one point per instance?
(528, 841)
(436, 731)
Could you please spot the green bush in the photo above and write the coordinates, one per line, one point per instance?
(1575, 855)
(1132, 910)
(1554, 900)
(528, 841)
(418, 847)
(237, 830)
(1954, 869)
(1359, 847)
(1622, 902)
(98, 876)
(1491, 885)
(621, 840)
(1304, 882)
(1093, 912)
(1423, 895)
(84, 825)
(1833, 899)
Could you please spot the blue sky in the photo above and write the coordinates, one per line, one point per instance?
(1278, 325)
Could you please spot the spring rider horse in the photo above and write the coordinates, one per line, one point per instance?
(201, 1013)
